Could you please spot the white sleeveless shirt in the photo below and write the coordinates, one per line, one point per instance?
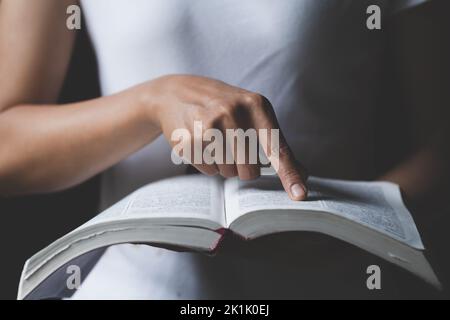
(315, 60)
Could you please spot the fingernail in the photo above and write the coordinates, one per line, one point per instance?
(297, 192)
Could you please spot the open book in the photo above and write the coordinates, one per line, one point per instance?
(193, 212)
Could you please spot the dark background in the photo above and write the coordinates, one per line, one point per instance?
(31, 223)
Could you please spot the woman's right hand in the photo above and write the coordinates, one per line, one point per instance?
(177, 101)
(48, 147)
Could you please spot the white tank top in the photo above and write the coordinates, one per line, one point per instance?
(315, 60)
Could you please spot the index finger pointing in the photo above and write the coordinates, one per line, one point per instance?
(291, 173)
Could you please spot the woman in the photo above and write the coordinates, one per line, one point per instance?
(164, 64)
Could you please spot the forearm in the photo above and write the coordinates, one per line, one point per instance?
(49, 147)
(421, 174)
(422, 79)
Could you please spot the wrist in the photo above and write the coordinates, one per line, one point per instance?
(147, 103)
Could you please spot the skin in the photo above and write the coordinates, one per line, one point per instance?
(422, 65)
(47, 147)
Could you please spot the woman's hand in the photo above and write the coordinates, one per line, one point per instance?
(47, 147)
(178, 101)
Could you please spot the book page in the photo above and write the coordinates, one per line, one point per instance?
(377, 205)
(264, 193)
(189, 196)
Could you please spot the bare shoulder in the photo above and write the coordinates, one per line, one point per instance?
(35, 49)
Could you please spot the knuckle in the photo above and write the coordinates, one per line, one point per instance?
(284, 151)
(261, 105)
(223, 109)
(254, 100)
(211, 122)
(228, 109)
(218, 104)
(290, 175)
(266, 102)
(229, 117)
